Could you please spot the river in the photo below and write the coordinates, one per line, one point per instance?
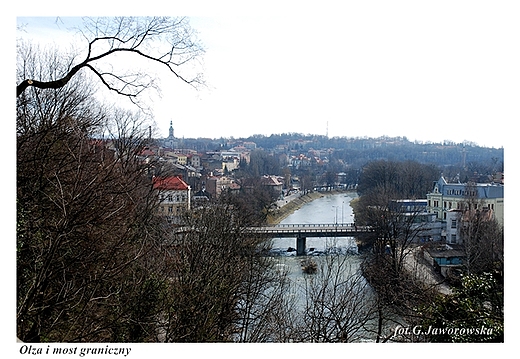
(331, 255)
(334, 208)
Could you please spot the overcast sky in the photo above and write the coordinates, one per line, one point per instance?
(430, 72)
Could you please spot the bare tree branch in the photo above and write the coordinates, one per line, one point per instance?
(169, 42)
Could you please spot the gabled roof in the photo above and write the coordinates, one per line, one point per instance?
(171, 183)
(270, 181)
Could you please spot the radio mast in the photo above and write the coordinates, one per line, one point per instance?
(327, 130)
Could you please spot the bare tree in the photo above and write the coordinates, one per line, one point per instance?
(210, 262)
(340, 305)
(482, 235)
(165, 41)
(84, 219)
(398, 228)
(90, 250)
(266, 309)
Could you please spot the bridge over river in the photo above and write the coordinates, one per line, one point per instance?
(302, 231)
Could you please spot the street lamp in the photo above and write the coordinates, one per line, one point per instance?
(342, 218)
(335, 215)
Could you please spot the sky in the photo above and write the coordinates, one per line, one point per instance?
(429, 71)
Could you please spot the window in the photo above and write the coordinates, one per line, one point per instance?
(453, 223)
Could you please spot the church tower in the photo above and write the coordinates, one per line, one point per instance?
(170, 136)
(170, 140)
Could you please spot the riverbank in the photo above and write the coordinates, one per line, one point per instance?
(296, 203)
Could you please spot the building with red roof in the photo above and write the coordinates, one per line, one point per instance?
(174, 196)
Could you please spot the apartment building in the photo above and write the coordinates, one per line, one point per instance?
(215, 185)
(446, 197)
(174, 196)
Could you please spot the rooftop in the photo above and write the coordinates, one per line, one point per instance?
(483, 190)
(171, 183)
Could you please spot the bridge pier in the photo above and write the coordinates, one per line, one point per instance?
(300, 245)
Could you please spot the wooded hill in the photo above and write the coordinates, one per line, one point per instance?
(357, 151)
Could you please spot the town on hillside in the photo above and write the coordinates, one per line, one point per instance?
(192, 172)
(293, 162)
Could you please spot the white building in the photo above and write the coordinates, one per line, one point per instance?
(451, 231)
(454, 196)
(174, 196)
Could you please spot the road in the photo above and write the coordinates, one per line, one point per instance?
(424, 272)
(282, 202)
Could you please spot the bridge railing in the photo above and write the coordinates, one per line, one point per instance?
(310, 228)
(307, 225)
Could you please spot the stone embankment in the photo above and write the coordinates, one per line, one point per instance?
(291, 204)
